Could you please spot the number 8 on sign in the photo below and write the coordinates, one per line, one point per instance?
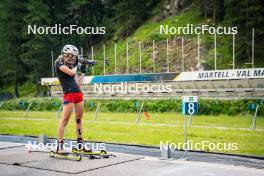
(189, 105)
(191, 109)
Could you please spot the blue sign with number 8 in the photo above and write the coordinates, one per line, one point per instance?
(189, 105)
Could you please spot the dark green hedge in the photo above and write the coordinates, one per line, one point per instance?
(206, 106)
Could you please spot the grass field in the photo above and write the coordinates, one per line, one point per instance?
(121, 128)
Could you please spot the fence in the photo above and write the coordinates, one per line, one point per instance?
(160, 56)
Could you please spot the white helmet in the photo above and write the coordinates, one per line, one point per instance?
(70, 49)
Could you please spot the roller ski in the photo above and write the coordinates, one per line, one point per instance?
(61, 154)
(65, 155)
(91, 154)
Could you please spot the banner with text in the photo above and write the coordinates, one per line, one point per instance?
(221, 74)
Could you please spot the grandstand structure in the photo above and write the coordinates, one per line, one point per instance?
(220, 84)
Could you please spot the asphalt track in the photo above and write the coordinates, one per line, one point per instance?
(129, 160)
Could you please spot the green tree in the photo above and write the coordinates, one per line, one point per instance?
(11, 25)
(36, 46)
(246, 15)
(130, 14)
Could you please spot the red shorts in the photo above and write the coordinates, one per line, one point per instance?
(75, 97)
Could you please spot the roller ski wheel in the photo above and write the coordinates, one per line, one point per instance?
(84, 152)
(66, 155)
(91, 154)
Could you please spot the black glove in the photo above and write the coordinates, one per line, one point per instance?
(82, 68)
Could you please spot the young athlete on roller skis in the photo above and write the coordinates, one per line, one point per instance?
(66, 67)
